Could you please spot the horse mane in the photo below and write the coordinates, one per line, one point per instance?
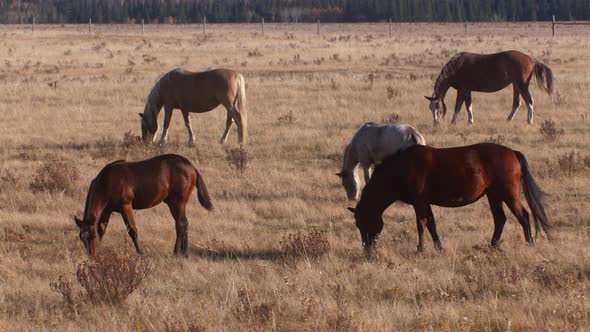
(446, 72)
(150, 114)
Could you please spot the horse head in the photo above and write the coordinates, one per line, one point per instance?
(148, 132)
(88, 236)
(369, 225)
(350, 183)
(438, 108)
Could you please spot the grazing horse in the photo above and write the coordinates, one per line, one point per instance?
(122, 186)
(451, 177)
(468, 72)
(370, 145)
(196, 93)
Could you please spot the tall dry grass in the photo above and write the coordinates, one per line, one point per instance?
(70, 96)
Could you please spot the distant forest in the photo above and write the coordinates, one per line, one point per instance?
(218, 11)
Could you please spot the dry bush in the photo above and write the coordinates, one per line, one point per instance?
(64, 287)
(56, 175)
(392, 118)
(179, 326)
(334, 85)
(572, 163)
(392, 92)
(313, 244)
(247, 310)
(550, 130)
(343, 319)
(287, 118)
(237, 158)
(8, 181)
(255, 53)
(499, 139)
(112, 277)
(131, 140)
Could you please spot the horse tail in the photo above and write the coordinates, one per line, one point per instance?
(544, 76)
(534, 196)
(202, 193)
(241, 107)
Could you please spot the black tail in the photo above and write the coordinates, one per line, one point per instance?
(544, 76)
(534, 196)
(202, 193)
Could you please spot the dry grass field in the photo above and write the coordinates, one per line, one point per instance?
(281, 251)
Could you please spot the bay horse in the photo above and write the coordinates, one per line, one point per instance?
(123, 186)
(468, 72)
(452, 177)
(370, 145)
(195, 93)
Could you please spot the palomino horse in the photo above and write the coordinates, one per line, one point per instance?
(370, 145)
(468, 72)
(196, 93)
(452, 177)
(123, 186)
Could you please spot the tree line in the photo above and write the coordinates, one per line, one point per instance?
(226, 11)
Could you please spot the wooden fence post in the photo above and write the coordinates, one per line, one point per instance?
(33, 24)
(390, 27)
(263, 26)
(89, 24)
(142, 27)
(318, 26)
(204, 24)
(553, 26)
(466, 22)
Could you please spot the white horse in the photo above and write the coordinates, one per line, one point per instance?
(370, 145)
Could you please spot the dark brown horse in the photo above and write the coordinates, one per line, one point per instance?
(452, 177)
(195, 93)
(123, 186)
(468, 72)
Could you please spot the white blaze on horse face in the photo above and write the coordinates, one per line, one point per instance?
(433, 109)
(349, 182)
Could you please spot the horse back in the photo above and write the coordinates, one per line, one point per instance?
(146, 183)
(491, 72)
(198, 91)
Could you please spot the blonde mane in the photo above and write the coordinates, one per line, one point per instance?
(151, 110)
(447, 71)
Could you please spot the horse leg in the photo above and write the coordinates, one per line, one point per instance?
(468, 106)
(421, 219)
(515, 205)
(458, 105)
(515, 103)
(228, 123)
(167, 117)
(127, 214)
(189, 128)
(526, 95)
(103, 222)
(178, 211)
(431, 225)
(238, 120)
(499, 218)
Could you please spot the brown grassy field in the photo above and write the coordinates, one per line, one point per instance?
(307, 95)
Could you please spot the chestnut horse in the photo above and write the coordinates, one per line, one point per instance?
(122, 186)
(451, 177)
(468, 72)
(195, 93)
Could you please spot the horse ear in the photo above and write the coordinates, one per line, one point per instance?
(351, 209)
(140, 115)
(78, 221)
(429, 98)
(339, 174)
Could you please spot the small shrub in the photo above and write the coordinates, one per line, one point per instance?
(255, 53)
(334, 85)
(550, 130)
(237, 158)
(392, 92)
(56, 176)
(287, 119)
(371, 81)
(130, 140)
(571, 163)
(500, 139)
(392, 118)
(8, 181)
(112, 277)
(64, 287)
(314, 244)
(247, 310)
